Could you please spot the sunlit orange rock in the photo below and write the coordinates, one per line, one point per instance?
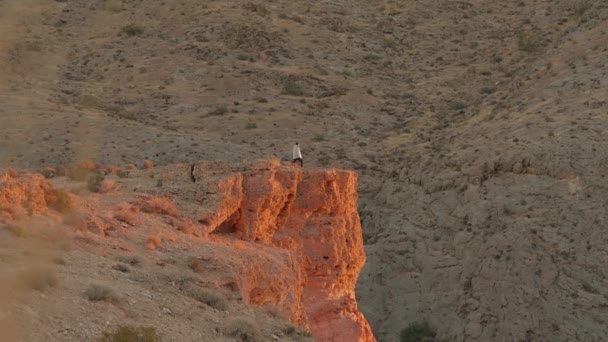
(312, 213)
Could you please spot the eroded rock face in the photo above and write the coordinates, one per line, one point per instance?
(310, 213)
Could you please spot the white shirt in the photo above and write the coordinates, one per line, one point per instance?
(296, 152)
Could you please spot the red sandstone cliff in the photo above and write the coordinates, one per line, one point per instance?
(300, 250)
(313, 214)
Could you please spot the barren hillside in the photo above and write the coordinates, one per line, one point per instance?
(476, 127)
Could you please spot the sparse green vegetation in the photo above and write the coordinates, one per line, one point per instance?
(417, 332)
(132, 30)
(131, 334)
(318, 138)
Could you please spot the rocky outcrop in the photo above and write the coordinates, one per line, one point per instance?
(309, 215)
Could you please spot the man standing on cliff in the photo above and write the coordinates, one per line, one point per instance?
(297, 154)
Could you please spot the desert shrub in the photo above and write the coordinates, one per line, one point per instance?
(132, 260)
(108, 185)
(121, 268)
(456, 105)
(86, 165)
(38, 279)
(318, 138)
(528, 42)
(49, 172)
(59, 200)
(187, 227)
(114, 6)
(124, 213)
(153, 242)
(99, 293)
(18, 231)
(158, 205)
(148, 164)
(251, 125)
(59, 260)
(388, 43)
(11, 173)
(259, 9)
(195, 265)
(94, 182)
(295, 332)
(487, 90)
(131, 334)
(581, 7)
(111, 170)
(130, 167)
(417, 332)
(293, 89)
(243, 329)
(211, 298)
(219, 111)
(132, 29)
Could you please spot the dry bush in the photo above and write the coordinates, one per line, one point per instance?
(132, 260)
(38, 279)
(76, 220)
(131, 334)
(209, 297)
(195, 265)
(59, 200)
(125, 213)
(153, 242)
(94, 182)
(187, 227)
(168, 237)
(17, 231)
(297, 333)
(49, 172)
(82, 172)
(112, 170)
(258, 9)
(99, 293)
(158, 205)
(148, 164)
(87, 165)
(132, 29)
(11, 173)
(109, 185)
(130, 167)
(121, 268)
(243, 329)
(114, 6)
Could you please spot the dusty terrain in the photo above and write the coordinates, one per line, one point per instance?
(476, 127)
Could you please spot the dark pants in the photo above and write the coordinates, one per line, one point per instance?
(299, 159)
